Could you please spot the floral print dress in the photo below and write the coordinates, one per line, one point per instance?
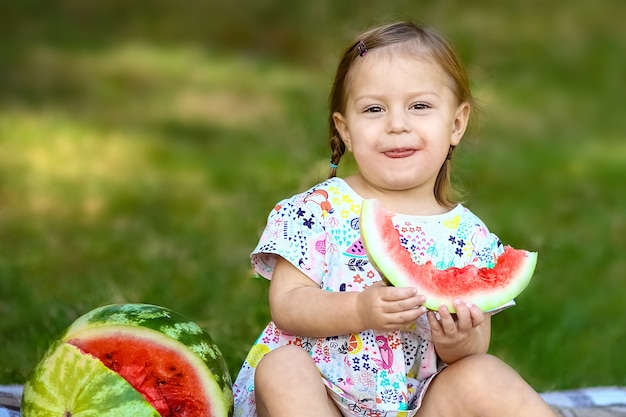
(371, 373)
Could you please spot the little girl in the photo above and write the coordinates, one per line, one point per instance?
(341, 342)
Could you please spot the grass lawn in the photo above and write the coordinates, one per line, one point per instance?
(142, 147)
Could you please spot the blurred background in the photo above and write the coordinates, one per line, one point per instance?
(143, 143)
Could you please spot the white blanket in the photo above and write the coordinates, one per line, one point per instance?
(587, 397)
(613, 398)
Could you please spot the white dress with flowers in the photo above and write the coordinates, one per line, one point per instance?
(372, 373)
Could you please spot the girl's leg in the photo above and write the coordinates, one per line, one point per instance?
(481, 385)
(287, 383)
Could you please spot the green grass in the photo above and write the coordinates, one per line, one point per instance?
(141, 149)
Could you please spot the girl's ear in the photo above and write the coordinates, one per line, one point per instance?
(461, 118)
(342, 127)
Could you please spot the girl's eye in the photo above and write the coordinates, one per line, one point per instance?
(420, 106)
(374, 109)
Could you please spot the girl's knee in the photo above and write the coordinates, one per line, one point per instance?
(489, 372)
(284, 354)
(482, 363)
(282, 362)
(481, 370)
(288, 377)
(480, 385)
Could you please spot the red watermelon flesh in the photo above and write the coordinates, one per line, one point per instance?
(162, 370)
(171, 385)
(488, 288)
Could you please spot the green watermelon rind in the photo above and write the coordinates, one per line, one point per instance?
(396, 266)
(95, 391)
(169, 323)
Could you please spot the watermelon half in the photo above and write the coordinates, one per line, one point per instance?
(487, 288)
(130, 359)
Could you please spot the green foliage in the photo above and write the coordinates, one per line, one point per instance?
(142, 145)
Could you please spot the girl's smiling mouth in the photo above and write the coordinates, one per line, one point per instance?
(400, 152)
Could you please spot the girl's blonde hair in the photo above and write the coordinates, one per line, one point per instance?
(410, 38)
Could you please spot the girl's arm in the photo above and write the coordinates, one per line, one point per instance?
(298, 306)
(465, 333)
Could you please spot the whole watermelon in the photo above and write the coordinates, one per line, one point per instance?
(130, 360)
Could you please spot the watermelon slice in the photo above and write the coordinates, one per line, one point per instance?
(487, 288)
(167, 361)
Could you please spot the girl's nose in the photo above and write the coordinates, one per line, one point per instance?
(397, 121)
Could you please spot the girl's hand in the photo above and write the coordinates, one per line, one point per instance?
(383, 307)
(462, 334)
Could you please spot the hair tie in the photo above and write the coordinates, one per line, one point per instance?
(333, 165)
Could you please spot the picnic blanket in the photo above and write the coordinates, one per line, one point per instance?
(588, 402)
(585, 402)
(10, 396)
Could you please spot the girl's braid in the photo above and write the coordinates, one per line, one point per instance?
(337, 148)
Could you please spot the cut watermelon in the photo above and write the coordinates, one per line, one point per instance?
(69, 383)
(487, 288)
(164, 358)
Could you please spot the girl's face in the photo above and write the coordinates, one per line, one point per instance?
(400, 119)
